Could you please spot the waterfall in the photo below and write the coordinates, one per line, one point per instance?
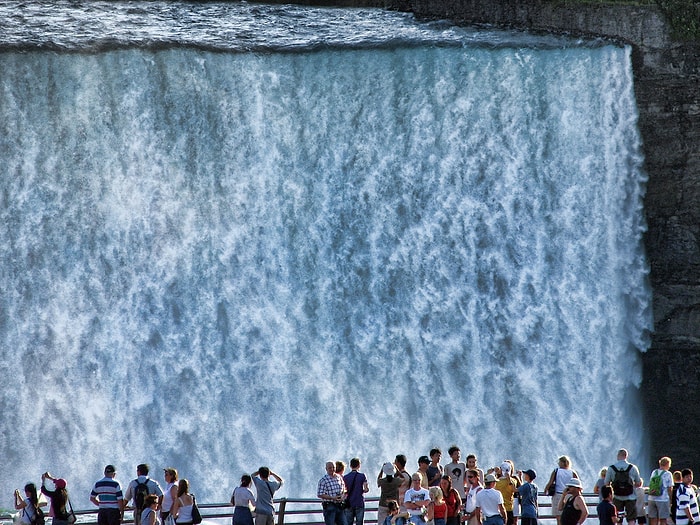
(217, 261)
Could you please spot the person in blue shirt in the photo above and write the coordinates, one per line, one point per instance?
(607, 512)
(528, 499)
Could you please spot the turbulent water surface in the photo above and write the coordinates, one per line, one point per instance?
(235, 235)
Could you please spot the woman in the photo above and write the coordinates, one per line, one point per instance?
(452, 500)
(508, 485)
(572, 507)
(149, 514)
(557, 483)
(182, 509)
(243, 501)
(29, 505)
(170, 492)
(59, 498)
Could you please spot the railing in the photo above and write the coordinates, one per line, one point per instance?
(299, 511)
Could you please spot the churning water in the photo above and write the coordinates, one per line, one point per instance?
(238, 235)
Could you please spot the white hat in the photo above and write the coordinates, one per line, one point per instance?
(490, 478)
(575, 482)
(388, 469)
(505, 468)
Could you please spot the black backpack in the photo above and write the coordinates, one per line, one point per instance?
(38, 516)
(140, 493)
(622, 482)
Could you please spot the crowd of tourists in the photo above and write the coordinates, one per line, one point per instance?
(456, 493)
(462, 493)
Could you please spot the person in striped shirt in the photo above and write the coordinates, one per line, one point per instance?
(107, 495)
(687, 510)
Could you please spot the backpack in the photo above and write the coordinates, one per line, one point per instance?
(655, 483)
(140, 493)
(622, 482)
(38, 517)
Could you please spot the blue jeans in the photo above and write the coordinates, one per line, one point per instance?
(333, 514)
(355, 513)
(494, 520)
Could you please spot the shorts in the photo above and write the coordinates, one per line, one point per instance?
(629, 506)
(659, 509)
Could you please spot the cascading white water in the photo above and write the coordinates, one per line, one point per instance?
(221, 260)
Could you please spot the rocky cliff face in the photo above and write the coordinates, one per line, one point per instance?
(667, 84)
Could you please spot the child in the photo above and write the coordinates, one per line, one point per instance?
(528, 496)
(394, 517)
(149, 516)
(641, 504)
(607, 513)
(437, 510)
(600, 483)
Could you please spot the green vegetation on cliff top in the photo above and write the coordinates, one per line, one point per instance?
(683, 15)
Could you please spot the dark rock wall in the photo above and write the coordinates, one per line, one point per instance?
(667, 85)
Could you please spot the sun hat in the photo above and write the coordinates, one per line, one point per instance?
(575, 482)
(388, 469)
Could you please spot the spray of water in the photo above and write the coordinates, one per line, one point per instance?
(217, 261)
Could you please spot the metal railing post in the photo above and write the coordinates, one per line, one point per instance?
(283, 506)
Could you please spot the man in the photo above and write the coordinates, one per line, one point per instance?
(357, 486)
(687, 509)
(489, 504)
(435, 469)
(400, 464)
(107, 495)
(607, 513)
(624, 478)
(388, 484)
(572, 506)
(416, 500)
(423, 464)
(265, 490)
(331, 490)
(471, 463)
(139, 488)
(660, 489)
(473, 488)
(456, 470)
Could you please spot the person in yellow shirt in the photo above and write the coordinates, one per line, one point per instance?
(507, 485)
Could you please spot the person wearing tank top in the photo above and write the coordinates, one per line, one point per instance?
(170, 492)
(182, 506)
(572, 506)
